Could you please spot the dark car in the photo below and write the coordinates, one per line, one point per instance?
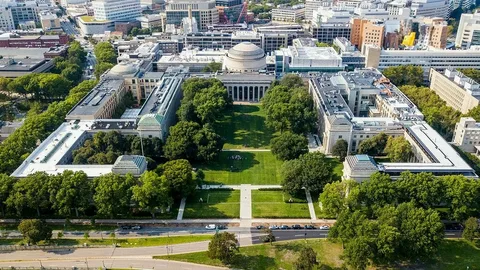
(296, 227)
(260, 227)
(453, 227)
(284, 227)
(309, 227)
(137, 227)
(221, 227)
(125, 227)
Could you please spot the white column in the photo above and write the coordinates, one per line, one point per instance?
(238, 93)
(248, 93)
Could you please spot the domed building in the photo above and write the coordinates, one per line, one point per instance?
(124, 69)
(245, 57)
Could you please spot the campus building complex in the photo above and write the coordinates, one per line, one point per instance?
(358, 105)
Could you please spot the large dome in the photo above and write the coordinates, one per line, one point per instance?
(124, 68)
(245, 57)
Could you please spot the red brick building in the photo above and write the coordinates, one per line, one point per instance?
(43, 41)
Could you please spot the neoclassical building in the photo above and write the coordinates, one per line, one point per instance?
(245, 57)
(247, 86)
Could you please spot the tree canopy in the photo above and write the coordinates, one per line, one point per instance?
(288, 145)
(212, 67)
(223, 246)
(340, 149)
(404, 75)
(373, 146)
(34, 230)
(105, 53)
(398, 149)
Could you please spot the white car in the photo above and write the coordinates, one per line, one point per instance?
(211, 227)
(324, 227)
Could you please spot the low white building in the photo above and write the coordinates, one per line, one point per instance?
(289, 14)
(467, 135)
(89, 25)
(193, 59)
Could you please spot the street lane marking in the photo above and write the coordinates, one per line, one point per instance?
(297, 235)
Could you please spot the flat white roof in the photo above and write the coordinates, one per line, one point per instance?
(46, 157)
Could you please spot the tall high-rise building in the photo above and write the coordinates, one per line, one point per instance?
(116, 10)
(468, 32)
(6, 19)
(433, 33)
(205, 12)
(367, 32)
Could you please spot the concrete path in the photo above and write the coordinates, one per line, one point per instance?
(246, 206)
(311, 208)
(239, 187)
(181, 209)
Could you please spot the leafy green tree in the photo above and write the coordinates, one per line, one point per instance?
(70, 190)
(6, 188)
(179, 178)
(152, 193)
(210, 102)
(357, 253)
(212, 67)
(86, 235)
(312, 171)
(424, 189)
(307, 259)
(72, 73)
(373, 146)
(289, 145)
(113, 194)
(180, 143)
(223, 247)
(105, 53)
(398, 149)
(101, 67)
(404, 75)
(462, 196)
(34, 230)
(289, 106)
(349, 224)
(322, 44)
(378, 191)
(30, 192)
(340, 149)
(339, 196)
(470, 230)
(76, 51)
(208, 144)
(270, 237)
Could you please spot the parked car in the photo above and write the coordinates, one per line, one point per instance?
(296, 227)
(284, 227)
(137, 227)
(211, 227)
(260, 227)
(221, 227)
(309, 227)
(125, 227)
(324, 227)
(274, 227)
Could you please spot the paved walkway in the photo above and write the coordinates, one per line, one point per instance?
(181, 209)
(239, 187)
(311, 208)
(246, 206)
(246, 150)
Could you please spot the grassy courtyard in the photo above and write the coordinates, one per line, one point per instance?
(272, 204)
(244, 127)
(452, 255)
(213, 204)
(235, 168)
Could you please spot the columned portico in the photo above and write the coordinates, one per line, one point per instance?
(246, 87)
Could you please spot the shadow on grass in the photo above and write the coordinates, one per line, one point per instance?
(241, 261)
(208, 204)
(241, 127)
(456, 254)
(231, 161)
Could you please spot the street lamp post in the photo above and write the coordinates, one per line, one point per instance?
(290, 201)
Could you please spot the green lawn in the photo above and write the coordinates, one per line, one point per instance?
(124, 242)
(337, 168)
(277, 256)
(260, 168)
(216, 204)
(271, 204)
(244, 127)
(452, 255)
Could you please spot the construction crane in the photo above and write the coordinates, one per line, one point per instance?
(243, 13)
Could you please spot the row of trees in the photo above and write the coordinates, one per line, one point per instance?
(194, 136)
(106, 57)
(106, 147)
(397, 149)
(73, 194)
(457, 196)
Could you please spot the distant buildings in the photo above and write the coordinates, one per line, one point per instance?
(467, 135)
(367, 32)
(289, 13)
(37, 41)
(116, 10)
(458, 91)
(468, 33)
(205, 12)
(49, 21)
(330, 23)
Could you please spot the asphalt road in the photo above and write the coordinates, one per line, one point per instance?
(69, 28)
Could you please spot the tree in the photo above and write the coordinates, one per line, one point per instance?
(152, 193)
(70, 190)
(398, 149)
(208, 144)
(180, 142)
(339, 196)
(462, 196)
(72, 73)
(101, 67)
(472, 73)
(289, 106)
(404, 75)
(34, 230)
(269, 237)
(374, 146)
(105, 53)
(60, 235)
(340, 149)
(223, 247)
(471, 229)
(212, 67)
(289, 145)
(86, 235)
(210, 102)
(322, 44)
(307, 259)
(312, 171)
(378, 191)
(113, 194)
(357, 253)
(179, 178)
(6, 188)
(348, 226)
(424, 189)
(30, 192)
